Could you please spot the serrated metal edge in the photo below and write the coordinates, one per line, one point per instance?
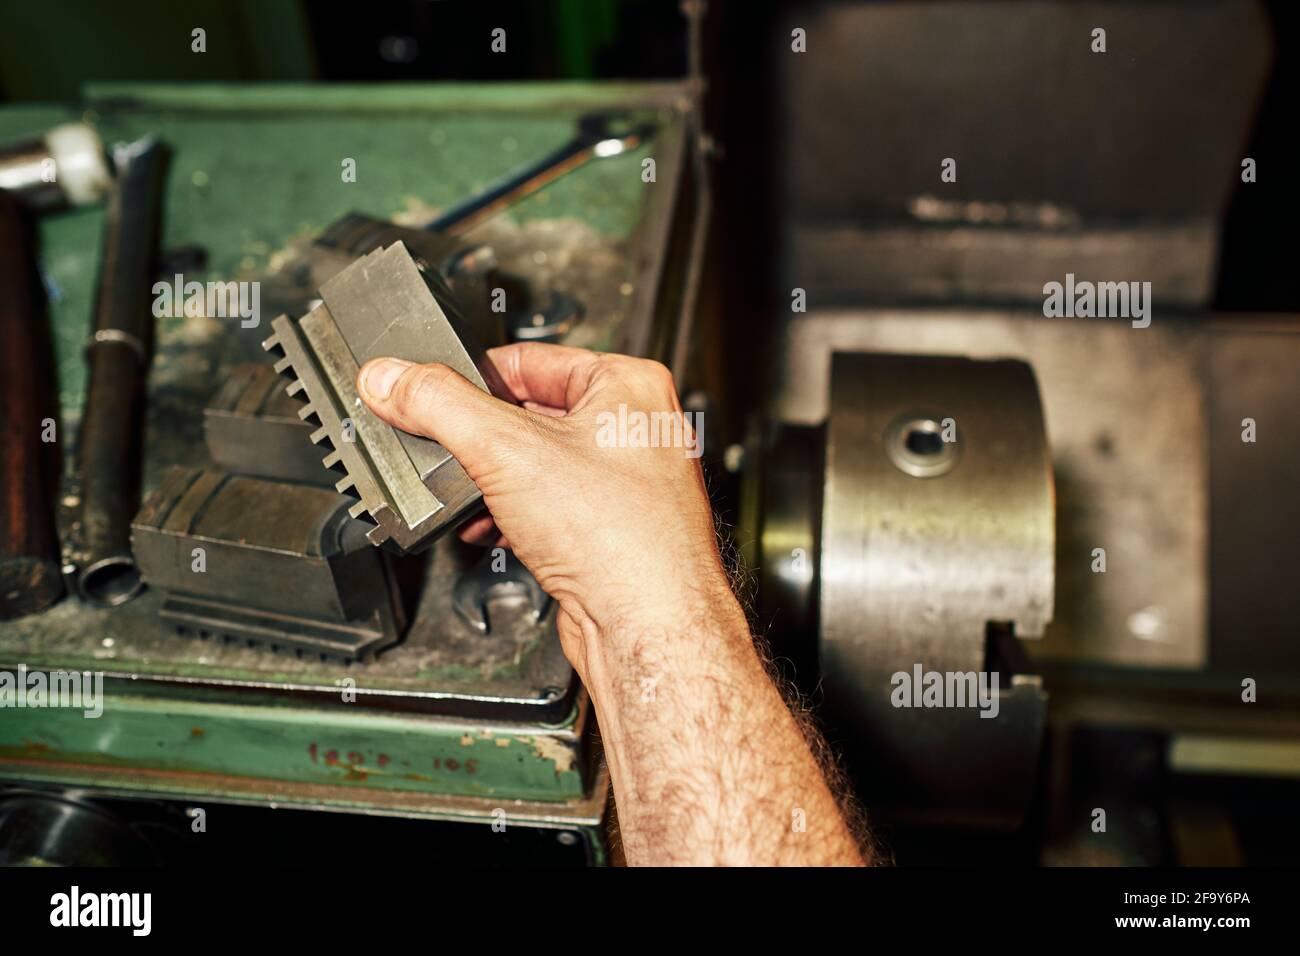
(299, 365)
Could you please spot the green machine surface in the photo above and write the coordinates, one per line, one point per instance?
(258, 167)
(255, 174)
(386, 751)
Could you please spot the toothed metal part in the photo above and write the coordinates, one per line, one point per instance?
(409, 487)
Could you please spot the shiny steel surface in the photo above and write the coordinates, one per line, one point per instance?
(410, 487)
(937, 568)
(914, 568)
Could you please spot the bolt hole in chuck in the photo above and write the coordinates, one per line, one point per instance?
(923, 441)
(924, 446)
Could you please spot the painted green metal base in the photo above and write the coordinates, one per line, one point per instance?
(343, 758)
(343, 746)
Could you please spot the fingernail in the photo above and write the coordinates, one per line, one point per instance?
(377, 377)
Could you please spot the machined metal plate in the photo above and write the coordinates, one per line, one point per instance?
(1183, 125)
(960, 261)
(410, 487)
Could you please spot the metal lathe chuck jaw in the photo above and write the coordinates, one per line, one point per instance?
(908, 539)
(384, 304)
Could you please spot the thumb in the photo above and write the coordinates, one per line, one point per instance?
(437, 402)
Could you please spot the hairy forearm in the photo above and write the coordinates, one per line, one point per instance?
(709, 765)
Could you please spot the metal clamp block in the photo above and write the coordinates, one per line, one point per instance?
(411, 488)
(266, 562)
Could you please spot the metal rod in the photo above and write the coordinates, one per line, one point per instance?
(29, 560)
(118, 353)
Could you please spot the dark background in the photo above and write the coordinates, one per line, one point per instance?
(48, 50)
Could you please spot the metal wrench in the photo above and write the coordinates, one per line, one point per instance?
(597, 137)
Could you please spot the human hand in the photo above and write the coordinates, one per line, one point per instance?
(617, 532)
(621, 534)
